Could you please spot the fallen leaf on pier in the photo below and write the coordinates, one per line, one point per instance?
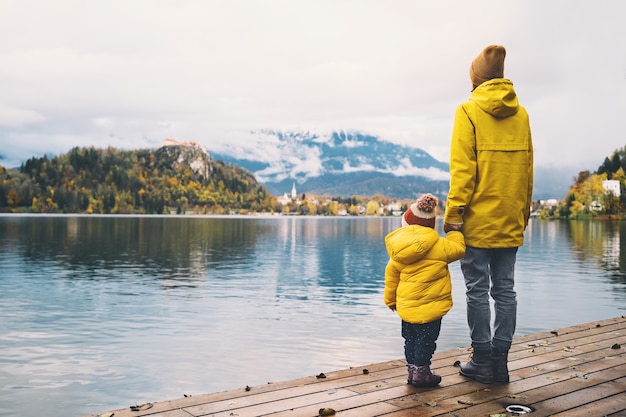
(140, 407)
(326, 412)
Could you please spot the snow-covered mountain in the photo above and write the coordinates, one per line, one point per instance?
(353, 163)
(337, 164)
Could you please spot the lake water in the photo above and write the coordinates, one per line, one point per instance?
(103, 312)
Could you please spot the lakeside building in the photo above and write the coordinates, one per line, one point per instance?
(286, 198)
(611, 186)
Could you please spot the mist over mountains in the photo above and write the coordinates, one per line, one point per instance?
(353, 163)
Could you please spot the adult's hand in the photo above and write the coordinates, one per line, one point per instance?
(447, 227)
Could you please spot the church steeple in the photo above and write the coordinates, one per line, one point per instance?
(294, 194)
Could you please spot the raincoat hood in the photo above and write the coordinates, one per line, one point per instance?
(496, 97)
(409, 244)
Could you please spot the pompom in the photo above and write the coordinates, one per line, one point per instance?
(427, 203)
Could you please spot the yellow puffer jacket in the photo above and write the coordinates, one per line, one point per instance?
(491, 167)
(417, 279)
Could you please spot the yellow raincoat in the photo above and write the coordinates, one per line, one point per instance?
(491, 167)
(417, 279)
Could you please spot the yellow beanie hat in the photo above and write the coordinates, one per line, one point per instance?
(489, 64)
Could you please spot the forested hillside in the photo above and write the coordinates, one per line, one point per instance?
(171, 178)
(587, 195)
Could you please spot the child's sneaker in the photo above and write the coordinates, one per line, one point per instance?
(423, 377)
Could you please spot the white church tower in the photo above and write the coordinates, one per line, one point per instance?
(294, 194)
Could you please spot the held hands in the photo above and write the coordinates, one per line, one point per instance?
(392, 308)
(449, 227)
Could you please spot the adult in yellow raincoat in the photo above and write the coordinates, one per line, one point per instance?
(491, 181)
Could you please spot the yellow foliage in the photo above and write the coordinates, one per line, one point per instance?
(576, 208)
(372, 207)
(13, 198)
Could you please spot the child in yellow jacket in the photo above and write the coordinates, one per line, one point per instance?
(418, 285)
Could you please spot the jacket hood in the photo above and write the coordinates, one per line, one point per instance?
(408, 244)
(496, 97)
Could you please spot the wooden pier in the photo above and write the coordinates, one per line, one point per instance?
(575, 371)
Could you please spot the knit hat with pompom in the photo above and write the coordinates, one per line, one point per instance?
(422, 212)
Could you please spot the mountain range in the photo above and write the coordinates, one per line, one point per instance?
(345, 164)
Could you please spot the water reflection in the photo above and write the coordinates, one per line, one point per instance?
(180, 251)
(335, 256)
(600, 242)
(595, 242)
(563, 277)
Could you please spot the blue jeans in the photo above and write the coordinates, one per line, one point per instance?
(490, 271)
(420, 341)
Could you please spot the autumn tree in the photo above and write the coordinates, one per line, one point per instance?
(372, 208)
(13, 199)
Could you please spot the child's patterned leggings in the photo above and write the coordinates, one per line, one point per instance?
(420, 341)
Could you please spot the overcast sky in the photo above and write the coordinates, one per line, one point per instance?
(130, 73)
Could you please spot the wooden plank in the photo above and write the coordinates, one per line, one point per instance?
(607, 406)
(281, 390)
(535, 391)
(370, 399)
(570, 401)
(367, 410)
(256, 405)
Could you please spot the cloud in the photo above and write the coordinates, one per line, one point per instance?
(407, 169)
(16, 117)
(131, 74)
